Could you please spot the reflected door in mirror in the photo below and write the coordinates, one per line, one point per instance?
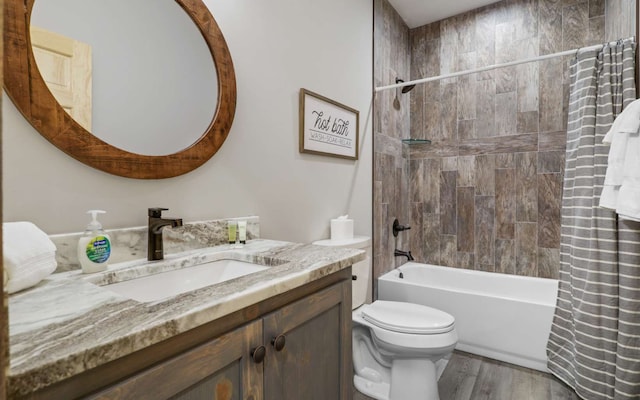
(65, 65)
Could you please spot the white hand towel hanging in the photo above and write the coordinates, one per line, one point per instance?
(628, 205)
(622, 137)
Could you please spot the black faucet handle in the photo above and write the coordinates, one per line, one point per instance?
(156, 212)
(399, 228)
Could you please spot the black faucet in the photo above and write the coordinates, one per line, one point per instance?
(155, 250)
(400, 253)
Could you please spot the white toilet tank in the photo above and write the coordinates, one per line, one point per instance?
(361, 270)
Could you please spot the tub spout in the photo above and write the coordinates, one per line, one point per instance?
(400, 253)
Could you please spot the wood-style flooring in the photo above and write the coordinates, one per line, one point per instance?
(471, 377)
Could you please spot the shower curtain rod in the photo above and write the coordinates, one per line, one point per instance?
(487, 68)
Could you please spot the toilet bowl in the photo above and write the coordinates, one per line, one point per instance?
(399, 349)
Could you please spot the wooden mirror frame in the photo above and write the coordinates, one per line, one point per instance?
(30, 94)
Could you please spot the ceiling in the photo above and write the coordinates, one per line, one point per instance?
(421, 12)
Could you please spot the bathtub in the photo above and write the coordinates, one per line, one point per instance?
(504, 317)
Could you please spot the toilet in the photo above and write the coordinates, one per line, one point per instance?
(399, 349)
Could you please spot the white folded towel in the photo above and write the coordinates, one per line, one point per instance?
(29, 255)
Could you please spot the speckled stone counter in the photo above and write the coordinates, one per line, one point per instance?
(69, 323)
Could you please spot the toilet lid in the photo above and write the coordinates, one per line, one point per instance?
(407, 317)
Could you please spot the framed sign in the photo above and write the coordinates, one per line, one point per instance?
(328, 127)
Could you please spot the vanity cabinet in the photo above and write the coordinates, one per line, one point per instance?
(221, 369)
(300, 350)
(309, 353)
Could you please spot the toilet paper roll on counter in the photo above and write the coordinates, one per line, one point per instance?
(341, 228)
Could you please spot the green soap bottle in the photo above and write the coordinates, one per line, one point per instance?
(94, 247)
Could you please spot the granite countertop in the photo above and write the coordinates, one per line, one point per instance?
(67, 324)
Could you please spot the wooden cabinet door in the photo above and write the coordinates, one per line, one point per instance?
(316, 361)
(221, 369)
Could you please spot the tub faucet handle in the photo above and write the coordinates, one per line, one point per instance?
(399, 228)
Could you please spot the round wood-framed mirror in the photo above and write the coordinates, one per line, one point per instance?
(30, 94)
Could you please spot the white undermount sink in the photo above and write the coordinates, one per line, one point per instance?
(167, 284)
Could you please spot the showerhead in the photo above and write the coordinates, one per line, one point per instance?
(405, 89)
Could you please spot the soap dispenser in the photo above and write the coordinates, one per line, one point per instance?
(94, 247)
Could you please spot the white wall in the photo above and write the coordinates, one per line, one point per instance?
(278, 46)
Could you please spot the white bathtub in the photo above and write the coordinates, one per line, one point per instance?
(505, 317)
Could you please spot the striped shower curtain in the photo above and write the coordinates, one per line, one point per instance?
(594, 344)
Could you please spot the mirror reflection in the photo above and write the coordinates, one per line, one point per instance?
(138, 75)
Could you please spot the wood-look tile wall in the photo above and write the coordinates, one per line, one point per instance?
(486, 193)
(392, 58)
(620, 19)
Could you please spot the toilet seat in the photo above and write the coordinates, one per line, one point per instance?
(408, 318)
